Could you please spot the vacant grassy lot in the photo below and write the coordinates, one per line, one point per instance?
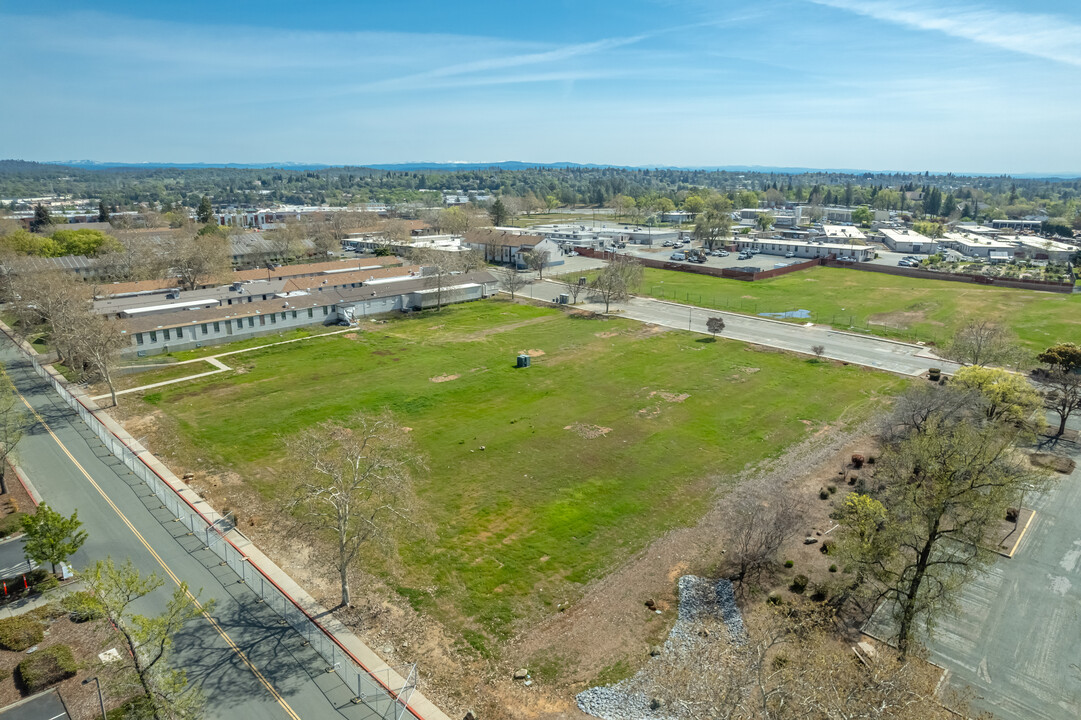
(539, 479)
(882, 304)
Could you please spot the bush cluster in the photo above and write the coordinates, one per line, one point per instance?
(47, 667)
(19, 633)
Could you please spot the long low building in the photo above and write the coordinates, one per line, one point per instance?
(153, 334)
(806, 250)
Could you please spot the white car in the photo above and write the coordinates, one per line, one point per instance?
(790, 254)
(678, 256)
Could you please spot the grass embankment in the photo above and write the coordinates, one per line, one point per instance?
(539, 479)
(882, 304)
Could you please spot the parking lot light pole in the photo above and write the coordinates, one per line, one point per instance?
(101, 700)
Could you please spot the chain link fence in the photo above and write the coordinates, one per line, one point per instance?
(386, 692)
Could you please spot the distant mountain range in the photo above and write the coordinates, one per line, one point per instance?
(519, 165)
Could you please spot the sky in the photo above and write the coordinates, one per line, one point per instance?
(977, 86)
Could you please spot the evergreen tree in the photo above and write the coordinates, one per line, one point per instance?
(205, 210)
(499, 213)
(42, 219)
(103, 212)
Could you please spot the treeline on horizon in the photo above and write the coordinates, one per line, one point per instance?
(124, 188)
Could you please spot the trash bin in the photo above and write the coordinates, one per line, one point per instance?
(564, 298)
(523, 361)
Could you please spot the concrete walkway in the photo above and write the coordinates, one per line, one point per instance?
(218, 364)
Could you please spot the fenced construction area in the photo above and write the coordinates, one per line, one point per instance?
(538, 479)
(910, 308)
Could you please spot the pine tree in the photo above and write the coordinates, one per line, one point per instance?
(103, 212)
(42, 219)
(205, 210)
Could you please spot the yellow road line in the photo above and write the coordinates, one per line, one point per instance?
(214, 623)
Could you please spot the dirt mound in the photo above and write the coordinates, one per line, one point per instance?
(444, 378)
(589, 432)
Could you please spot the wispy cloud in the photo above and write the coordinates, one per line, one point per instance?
(1039, 35)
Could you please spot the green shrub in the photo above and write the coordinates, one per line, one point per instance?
(81, 606)
(46, 667)
(832, 489)
(788, 563)
(833, 568)
(799, 583)
(823, 494)
(11, 524)
(20, 632)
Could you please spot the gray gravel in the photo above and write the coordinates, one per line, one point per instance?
(699, 598)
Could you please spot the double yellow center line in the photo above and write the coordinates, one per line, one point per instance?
(168, 571)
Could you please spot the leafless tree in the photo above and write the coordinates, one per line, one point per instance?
(537, 260)
(441, 269)
(352, 481)
(512, 281)
(197, 259)
(288, 240)
(13, 422)
(140, 257)
(617, 280)
(818, 350)
(1062, 394)
(54, 299)
(762, 521)
(982, 342)
(789, 665)
(913, 411)
(574, 287)
(97, 343)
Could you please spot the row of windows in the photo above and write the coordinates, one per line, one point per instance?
(167, 334)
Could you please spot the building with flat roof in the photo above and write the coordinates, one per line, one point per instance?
(979, 247)
(805, 250)
(843, 233)
(157, 333)
(1030, 225)
(904, 240)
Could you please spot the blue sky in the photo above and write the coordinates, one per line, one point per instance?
(975, 86)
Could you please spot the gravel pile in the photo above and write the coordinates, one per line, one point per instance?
(698, 598)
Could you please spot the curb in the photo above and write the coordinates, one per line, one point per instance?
(1020, 537)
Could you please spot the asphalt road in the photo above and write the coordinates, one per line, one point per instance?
(1015, 637)
(249, 665)
(892, 356)
(46, 706)
(13, 560)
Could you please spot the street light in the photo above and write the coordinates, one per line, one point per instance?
(101, 700)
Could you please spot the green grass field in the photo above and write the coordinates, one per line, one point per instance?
(882, 304)
(525, 510)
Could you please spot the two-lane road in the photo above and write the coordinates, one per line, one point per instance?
(249, 665)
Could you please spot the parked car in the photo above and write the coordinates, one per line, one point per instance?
(722, 253)
(678, 256)
(790, 254)
(668, 243)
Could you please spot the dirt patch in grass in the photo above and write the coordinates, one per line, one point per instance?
(350, 336)
(897, 318)
(670, 397)
(589, 432)
(531, 353)
(443, 378)
(606, 335)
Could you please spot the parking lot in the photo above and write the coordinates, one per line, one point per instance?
(761, 261)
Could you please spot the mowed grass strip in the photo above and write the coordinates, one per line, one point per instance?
(525, 510)
(883, 304)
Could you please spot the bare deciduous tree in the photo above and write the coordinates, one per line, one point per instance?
(537, 260)
(762, 521)
(140, 257)
(617, 280)
(1062, 394)
(512, 281)
(198, 259)
(352, 481)
(13, 422)
(818, 350)
(574, 287)
(288, 240)
(441, 268)
(981, 342)
(97, 342)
